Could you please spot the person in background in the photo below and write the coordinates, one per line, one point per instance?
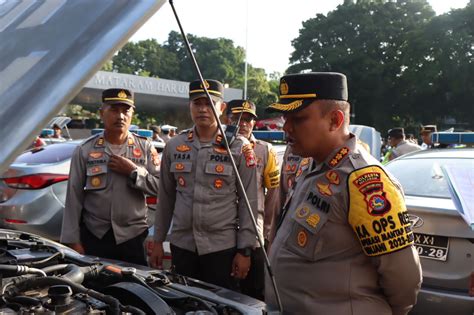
(400, 146)
(168, 132)
(268, 179)
(105, 213)
(156, 133)
(57, 132)
(425, 134)
(331, 254)
(212, 234)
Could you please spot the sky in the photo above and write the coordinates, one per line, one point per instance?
(271, 26)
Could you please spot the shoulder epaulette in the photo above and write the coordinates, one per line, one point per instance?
(90, 138)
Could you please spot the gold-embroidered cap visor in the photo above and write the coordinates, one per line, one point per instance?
(289, 105)
(238, 110)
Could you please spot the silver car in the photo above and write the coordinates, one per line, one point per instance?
(444, 240)
(33, 190)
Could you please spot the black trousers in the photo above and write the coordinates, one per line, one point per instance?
(214, 268)
(132, 251)
(254, 284)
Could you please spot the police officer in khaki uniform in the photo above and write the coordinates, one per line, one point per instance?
(105, 213)
(345, 244)
(212, 235)
(268, 178)
(400, 146)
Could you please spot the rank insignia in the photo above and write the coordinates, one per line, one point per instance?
(333, 177)
(220, 150)
(338, 156)
(302, 238)
(219, 168)
(95, 181)
(300, 171)
(190, 135)
(96, 155)
(179, 166)
(304, 162)
(302, 212)
(218, 139)
(130, 141)
(313, 220)
(100, 142)
(218, 183)
(324, 189)
(181, 181)
(137, 152)
(155, 158)
(183, 148)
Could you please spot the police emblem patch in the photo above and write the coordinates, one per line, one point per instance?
(137, 152)
(333, 177)
(302, 212)
(324, 189)
(181, 181)
(219, 168)
(302, 238)
(283, 87)
(95, 181)
(183, 148)
(122, 94)
(179, 166)
(313, 220)
(249, 155)
(218, 183)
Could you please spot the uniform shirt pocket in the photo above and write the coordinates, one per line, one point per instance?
(220, 177)
(96, 177)
(305, 235)
(182, 174)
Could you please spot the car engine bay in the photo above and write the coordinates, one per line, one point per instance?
(43, 277)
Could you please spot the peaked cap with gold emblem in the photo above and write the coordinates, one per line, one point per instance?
(118, 96)
(214, 87)
(238, 106)
(299, 90)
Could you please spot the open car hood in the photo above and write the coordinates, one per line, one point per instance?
(41, 276)
(49, 50)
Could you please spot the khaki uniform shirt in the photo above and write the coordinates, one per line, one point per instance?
(103, 199)
(268, 178)
(404, 147)
(345, 245)
(200, 195)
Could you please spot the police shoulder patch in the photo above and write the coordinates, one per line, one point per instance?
(377, 212)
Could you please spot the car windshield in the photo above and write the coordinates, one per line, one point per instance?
(48, 154)
(425, 177)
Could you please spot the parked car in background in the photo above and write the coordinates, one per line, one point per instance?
(443, 239)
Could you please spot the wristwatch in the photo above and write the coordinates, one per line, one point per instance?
(245, 251)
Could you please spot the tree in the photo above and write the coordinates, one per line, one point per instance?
(146, 58)
(365, 40)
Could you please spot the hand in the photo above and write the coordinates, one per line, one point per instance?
(78, 248)
(121, 165)
(240, 266)
(157, 254)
